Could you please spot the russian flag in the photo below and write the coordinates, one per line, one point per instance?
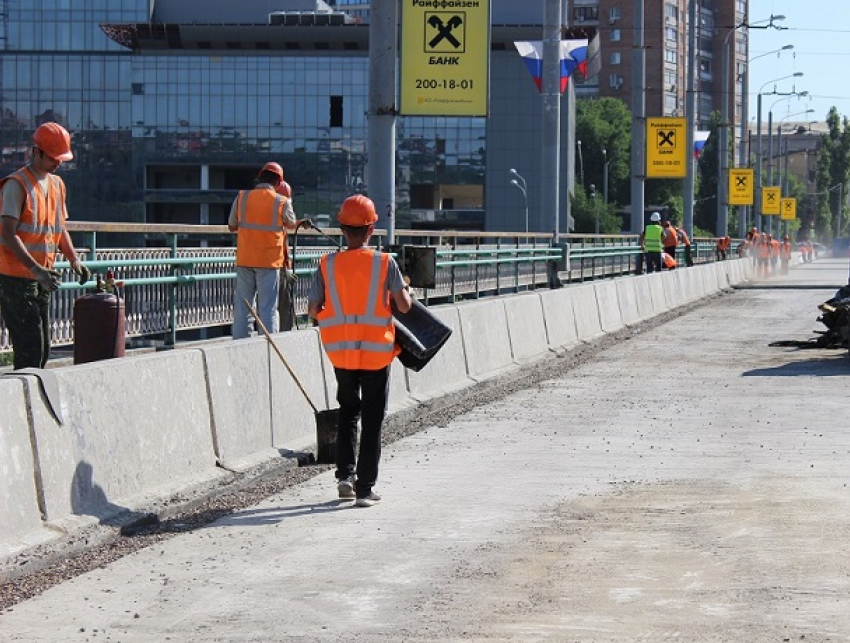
(573, 56)
(700, 137)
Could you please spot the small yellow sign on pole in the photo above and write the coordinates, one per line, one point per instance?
(666, 148)
(741, 186)
(445, 58)
(770, 198)
(789, 209)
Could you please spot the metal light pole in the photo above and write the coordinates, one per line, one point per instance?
(786, 190)
(605, 177)
(757, 208)
(723, 130)
(596, 203)
(580, 164)
(524, 191)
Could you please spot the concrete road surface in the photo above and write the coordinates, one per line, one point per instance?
(689, 484)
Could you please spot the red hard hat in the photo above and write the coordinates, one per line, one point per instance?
(284, 189)
(54, 140)
(274, 168)
(357, 211)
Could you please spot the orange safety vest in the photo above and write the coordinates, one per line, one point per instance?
(261, 240)
(786, 250)
(670, 239)
(356, 324)
(669, 262)
(685, 240)
(764, 249)
(774, 248)
(40, 226)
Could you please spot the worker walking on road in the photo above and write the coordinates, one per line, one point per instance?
(785, 255)
(350, 298)
(260, 217)
(34, 213)
(669, 239)
(650, 243)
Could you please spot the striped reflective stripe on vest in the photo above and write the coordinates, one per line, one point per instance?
(273, 225)
(372, 347)
(369, 319)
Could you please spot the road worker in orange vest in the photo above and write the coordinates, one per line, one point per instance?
(34, 212)
(669, 239)
(686, 242)
(350, 298)
(775, 250)
(260, 219)
(763, 248)
(785, 254)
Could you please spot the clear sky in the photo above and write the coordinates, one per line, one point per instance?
(820, 33)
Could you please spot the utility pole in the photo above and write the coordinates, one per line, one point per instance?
(638, 120)
(690, 113)
(383, 53)
(551, 121)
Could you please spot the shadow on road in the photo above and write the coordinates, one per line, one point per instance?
(835, 364)
(273, 515)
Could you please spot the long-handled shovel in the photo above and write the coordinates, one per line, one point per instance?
(326, 421)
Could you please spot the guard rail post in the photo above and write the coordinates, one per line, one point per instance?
(172, 296)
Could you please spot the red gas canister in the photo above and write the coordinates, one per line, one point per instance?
(98, 327)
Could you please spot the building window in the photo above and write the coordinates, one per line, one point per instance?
(670, 78)
(584, 14)
(615, 81)
(615, 58)
(671, 34)
(671, 103)
(615, 35)
(614, 14)
(670, 56)
(336, 111)
(671, 11)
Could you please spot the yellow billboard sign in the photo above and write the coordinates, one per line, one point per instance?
(789, 209)
(445, 57)
(741, 184)
(666, 148)
(770, 198)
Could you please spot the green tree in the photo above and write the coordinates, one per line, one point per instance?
(705, 208)
(605, 124)
(833, 171)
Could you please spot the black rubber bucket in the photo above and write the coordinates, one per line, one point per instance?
(420, 335)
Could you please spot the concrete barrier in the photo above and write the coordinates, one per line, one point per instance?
(586, 310)
(240, 401)
(486, 342)
(643, 293)
(136, 431)
(526, 327)
(20, 525)
(627, 296)
(446, 372)
(559, 318)
(657, 284)
(610, 317)
(293, 422)
(675, 287)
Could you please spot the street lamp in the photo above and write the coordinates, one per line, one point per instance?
(757, 208)
(605, 177)
(785, 97)
(723, 145)
(580, 164)
(522, 187)
(594, 196)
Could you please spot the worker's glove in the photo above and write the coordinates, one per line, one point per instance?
(307, 224)
(83, 272)
(46, 278)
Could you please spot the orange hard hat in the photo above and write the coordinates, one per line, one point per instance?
(284, 189)
(357, 211)
(274, 168)
(54, 140)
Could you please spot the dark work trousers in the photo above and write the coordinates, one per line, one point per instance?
(653, 262)
(361, 395)
(689, 261)
(25, 307)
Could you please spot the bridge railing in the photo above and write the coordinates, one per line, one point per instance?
(176, 287)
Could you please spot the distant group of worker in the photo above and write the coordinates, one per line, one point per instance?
(769, 255)
(659, 243)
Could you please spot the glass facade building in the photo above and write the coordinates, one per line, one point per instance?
(170, 119)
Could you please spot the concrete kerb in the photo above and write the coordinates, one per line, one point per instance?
(586, 311)
(446, 372)
(610, 317)
(559, 318)
(526, 327)
(20, 527)
(675, 287)
(657, 284)
(293, 422)
(486, 342)
(643, 292)
(135, 433)
(627, 297)
(237, 374)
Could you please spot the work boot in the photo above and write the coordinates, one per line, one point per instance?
(345, 488)
(368, 501)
